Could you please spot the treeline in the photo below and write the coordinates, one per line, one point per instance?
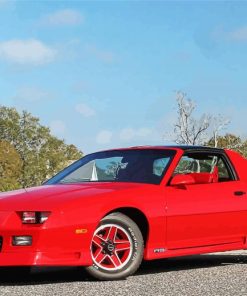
(29, 154)
(230, 141)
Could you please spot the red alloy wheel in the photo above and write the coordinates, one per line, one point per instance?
(111, 247)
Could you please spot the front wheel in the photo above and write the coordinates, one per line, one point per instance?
(116, 248)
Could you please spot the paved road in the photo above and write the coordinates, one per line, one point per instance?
(215, 274)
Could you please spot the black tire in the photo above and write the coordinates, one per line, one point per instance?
(135, 256)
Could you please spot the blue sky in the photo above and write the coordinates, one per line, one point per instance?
(103, 74)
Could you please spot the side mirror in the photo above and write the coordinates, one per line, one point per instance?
(182, 179)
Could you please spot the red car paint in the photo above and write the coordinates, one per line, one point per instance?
(192, 219)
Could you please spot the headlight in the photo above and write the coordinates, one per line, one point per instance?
(29, 217)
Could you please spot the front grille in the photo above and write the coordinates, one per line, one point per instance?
(1, 243)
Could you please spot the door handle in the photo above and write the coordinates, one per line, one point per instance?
(239, 193)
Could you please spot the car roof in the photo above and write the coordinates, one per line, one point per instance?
(198, 148)
(186, 148)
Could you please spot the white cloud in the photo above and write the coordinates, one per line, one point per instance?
(32, 94)
(85, 110)
(29, 52)
(3, 2)
(81, 86)
(128, 134)
(6, 3)
(239, 34)
(143, 132)
(57, 127)
(219, 34)
(104, 137)
(63, 17)
(102, 55)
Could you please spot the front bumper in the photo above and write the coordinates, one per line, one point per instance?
(43, 259)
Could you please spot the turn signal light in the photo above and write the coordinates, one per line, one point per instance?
(34, 217)
(25, 240)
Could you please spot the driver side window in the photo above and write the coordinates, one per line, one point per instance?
(204, 168)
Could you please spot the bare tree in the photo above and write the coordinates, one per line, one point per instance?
(187, 129)
(219, 123)
(192, 131)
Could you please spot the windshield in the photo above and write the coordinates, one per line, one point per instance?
(139, 166)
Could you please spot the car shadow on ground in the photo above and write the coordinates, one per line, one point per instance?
(190, 262)
(18, 276)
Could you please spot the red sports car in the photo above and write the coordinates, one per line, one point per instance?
(110, 210)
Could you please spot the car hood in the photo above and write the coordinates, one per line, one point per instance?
(47, 197)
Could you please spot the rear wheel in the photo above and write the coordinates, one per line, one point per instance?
(116, 248)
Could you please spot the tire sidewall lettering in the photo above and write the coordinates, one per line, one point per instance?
(135, 244)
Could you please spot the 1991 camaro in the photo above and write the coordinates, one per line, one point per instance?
(110, 210)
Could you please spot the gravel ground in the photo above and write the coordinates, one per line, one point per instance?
(213, 274)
